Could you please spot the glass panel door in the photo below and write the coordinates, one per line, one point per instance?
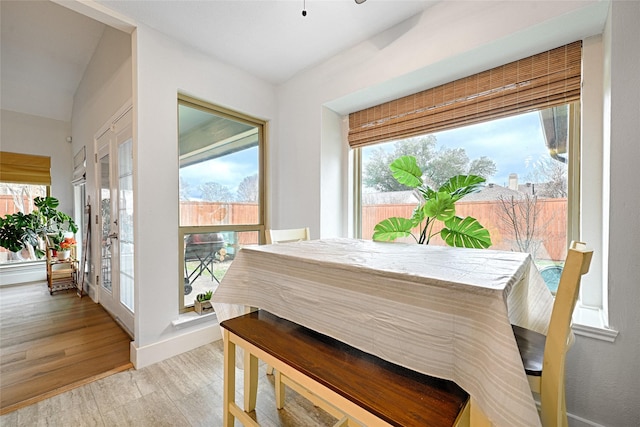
(106, 232)
(125, 222)
(115, 175)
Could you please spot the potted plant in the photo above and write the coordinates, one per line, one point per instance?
(45, 224)
(436, 205)
(65, 248)
(202, 303)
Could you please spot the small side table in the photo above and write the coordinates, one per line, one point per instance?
(62, 274)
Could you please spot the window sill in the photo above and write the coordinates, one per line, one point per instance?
(192, 318)
(590, 322)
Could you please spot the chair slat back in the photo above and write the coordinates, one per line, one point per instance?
(287, 235)
(552, 402)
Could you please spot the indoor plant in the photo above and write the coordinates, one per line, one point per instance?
(45, 224)
(202, 303)
(435, 206)
(65, 248)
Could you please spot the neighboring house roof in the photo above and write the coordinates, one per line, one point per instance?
(389, 198)
(492, 192)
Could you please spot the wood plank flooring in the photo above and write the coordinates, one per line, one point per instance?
(53, 343)
(185, 390)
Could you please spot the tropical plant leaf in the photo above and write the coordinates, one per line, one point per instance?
(392, 228)
(465, 233)
(461, 185)
(418, 215)
(426, 192)
(441, 207)
(406, 171)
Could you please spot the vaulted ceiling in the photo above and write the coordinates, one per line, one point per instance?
(46, 46)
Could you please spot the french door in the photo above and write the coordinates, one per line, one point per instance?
(115, 211)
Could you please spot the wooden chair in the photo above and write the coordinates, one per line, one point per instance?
(544, 357)
(288, 235)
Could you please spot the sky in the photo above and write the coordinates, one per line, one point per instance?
(513, 143)
(229, 170)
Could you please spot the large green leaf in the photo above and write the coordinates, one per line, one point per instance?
(465, 233)
(406, 171)
(392, 228)
(441, 207)
(461, 185)
(426, 192)
(418, 215)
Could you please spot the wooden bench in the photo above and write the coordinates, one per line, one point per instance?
(357, 388)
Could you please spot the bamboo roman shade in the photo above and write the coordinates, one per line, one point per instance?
(540, 81)
(25, 168)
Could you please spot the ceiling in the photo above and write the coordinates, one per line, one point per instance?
(46, 47)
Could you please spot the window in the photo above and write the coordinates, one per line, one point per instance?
(15, 197)
(586, 209)
(513, 123)
(221, 204)
(525, 160)
(23, 177)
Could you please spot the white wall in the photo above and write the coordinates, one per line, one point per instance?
(448, 41)
(309, 159)
(603, 379)
(162, 69)
(27, 134)
(105, 87)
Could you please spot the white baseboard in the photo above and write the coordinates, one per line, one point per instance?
(576, 421)
(157, 352)
(23, 273)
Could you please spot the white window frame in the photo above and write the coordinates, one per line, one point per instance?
(588, 210)
(591, 317)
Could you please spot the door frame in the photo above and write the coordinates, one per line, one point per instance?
(110, 300)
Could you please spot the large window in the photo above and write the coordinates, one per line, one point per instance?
(23, 177)
(17, 197)
(221, 192)
(525, 160)
(516, 125)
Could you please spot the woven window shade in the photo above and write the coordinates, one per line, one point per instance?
(25, 168)
(545, 80)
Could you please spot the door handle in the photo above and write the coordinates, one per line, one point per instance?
(113, 235)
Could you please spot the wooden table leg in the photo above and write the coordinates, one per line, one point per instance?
(478, 417)
(250, 381)
(229, 380)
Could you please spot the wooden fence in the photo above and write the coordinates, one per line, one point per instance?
(550, 237)
(551, 224)
(216, 213)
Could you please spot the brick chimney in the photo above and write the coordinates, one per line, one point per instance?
(513, 181)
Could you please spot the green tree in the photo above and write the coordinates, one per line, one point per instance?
(437, 165)
(551, 177)
(248, 189)
(446, 163)
(377, 174)
(484, 167)
(215, 192)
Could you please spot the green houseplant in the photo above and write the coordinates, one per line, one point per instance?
(436, 205)
(45, 223)
(202, 303)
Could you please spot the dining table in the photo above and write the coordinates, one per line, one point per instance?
(438, 310)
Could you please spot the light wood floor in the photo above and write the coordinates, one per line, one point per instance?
(185, 390)
(53, 343)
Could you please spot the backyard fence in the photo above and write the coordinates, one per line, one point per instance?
(550, 235)
(549, 238)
